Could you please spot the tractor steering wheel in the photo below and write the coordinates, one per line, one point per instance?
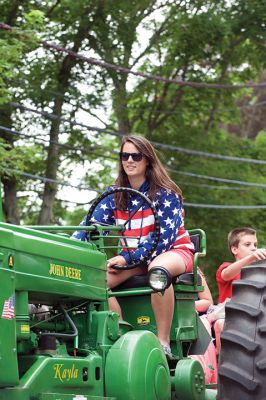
(144, 199)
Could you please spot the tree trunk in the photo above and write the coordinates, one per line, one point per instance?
(50, 188)
(64, 75)
(120, 106)
(10, 203)
(10, 206)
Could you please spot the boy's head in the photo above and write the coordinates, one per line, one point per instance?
(242, 242)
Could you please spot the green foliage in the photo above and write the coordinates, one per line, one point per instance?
(196, 40)
(219, 221)
(260, 145)
(17, 158)
(34, 20)
(75, 217)
(14, 44)
(10, 54)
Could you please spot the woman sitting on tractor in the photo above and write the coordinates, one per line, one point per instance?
(141, 169)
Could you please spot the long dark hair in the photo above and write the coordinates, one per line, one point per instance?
(156, 174)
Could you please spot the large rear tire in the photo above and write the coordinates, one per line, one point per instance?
(242, 366)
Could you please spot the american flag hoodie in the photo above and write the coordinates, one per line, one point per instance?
(171, 216)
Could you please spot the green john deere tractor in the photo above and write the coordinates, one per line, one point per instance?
(71, 346)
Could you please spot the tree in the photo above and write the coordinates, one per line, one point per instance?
(13, 49)
(206, 42)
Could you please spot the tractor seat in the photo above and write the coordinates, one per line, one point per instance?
(142, 281)
(183, 279)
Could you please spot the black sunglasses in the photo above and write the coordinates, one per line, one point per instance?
(135, 156)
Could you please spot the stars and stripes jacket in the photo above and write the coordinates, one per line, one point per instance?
(171, 215)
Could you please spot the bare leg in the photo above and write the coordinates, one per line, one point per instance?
(163, 308)
(114, 279)
(163, 305)
(218, 327)
(114, 306)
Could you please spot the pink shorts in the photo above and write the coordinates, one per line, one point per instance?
(188, 258)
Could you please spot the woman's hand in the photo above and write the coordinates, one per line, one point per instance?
(117, 260)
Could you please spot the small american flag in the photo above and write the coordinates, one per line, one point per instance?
(8, 310)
